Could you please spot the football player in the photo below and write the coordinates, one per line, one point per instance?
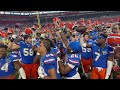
(102, 58)
(9, 64)
(49, 68)
(86, 54)
(70, 69)
(27, 56)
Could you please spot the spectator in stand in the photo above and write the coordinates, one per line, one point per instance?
(116, 28)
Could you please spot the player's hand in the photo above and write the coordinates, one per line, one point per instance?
(14, 36)
(41, 72)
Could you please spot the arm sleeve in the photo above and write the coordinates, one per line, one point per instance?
(14, 57)
(73, 62)
(71, 65)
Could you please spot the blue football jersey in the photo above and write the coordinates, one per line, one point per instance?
(48, 62)
(6, 64)
(87, 52)
(74, 60)
(100, 55)
(26, 53)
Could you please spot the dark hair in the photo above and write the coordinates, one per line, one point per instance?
(104, 35)
(33, 29)
(73, 35)
(3, 46)
(104, 29)
(51, 43)
(47, 44)
(35, 24)
(86, 33)
(27, 36)
(6, 28)
(16, 26)
(41, 38)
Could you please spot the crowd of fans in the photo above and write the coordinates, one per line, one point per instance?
(84, 49)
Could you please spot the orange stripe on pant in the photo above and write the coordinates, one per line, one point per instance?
(95, 74)
(87, 63)
(8, 77)
(12, 77)
(31, 70)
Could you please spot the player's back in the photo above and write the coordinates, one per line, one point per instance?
(49, 61)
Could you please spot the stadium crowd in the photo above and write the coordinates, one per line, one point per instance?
(63, 50)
